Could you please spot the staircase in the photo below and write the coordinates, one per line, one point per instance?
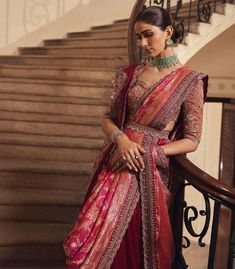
(52, 99)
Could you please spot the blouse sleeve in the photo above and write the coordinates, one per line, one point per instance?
(117, 84)
(193, 111)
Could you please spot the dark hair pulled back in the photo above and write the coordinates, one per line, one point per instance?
(159, 17)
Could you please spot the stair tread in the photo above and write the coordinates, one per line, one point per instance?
(56, 82)
(101, 31)
(42, 256)
(49, 118)
(41, 181)
(37, 213)
(60, 56)
(41, 166)
(53, 99)
(29, 196)
(32, 233)
(73, 47)
(85, 39)
(52, 141)
(66, 68)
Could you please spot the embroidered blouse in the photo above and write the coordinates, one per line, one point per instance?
(191, 109)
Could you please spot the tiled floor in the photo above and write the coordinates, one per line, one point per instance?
(196, 256)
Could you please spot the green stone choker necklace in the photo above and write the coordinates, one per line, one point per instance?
(166, 62)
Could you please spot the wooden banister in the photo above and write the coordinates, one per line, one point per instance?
(202, 181)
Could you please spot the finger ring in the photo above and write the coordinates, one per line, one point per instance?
(117, 164)
(137, 156)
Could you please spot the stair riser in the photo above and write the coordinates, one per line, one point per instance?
(83, 62)
(121, 34)
(54, 90)
(20, 197)
(47, 153)
(85, 43)
(51, 129)
(74, 51)
(44, 181)
(53, 108)
(53, 99)
(111, 27)
(38, 214)
(49, 118)
(72, 75)
(31, 255)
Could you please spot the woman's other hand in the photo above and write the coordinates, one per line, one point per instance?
(128, 155)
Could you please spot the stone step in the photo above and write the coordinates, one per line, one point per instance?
(51, 129)
(75, 50)
(50, 141)
(68, 60)
(47, 153)
(56, 73)
(50, 118)
(37, 197)
(73, 89)
(52, 108)
(60, 149)
(40, 256)
(110, 27)
(81, 43)
(99, 34)
(121, 21)
(41, 180)
(45, 167)
(32, 233)
(36, 267)
(53, 99)
(40, 214)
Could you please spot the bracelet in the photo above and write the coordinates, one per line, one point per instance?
(115, 134)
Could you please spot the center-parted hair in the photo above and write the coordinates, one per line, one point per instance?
(159, 17)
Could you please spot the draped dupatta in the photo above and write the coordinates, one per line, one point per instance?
(112, 197)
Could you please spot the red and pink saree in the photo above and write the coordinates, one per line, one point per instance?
(124, 221)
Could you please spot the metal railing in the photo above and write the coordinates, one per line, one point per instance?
(185, 17)
(218, 198)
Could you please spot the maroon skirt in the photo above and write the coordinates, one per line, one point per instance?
(130, 255)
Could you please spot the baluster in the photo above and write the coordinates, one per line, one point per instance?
(231, 259)
(215, 1)
(214, 231)
(189, 15)
(168, 6)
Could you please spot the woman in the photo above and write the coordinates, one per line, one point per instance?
(155, 112)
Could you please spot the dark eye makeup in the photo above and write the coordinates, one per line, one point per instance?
(145, 34)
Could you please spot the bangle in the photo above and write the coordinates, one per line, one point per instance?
(115, 134)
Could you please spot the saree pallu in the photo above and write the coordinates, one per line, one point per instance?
(113, 197)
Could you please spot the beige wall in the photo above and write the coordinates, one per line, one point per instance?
(20, 17)
(28, 22)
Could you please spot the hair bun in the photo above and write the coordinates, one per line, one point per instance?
(176, 35)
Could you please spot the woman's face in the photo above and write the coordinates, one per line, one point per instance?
(151, 38)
